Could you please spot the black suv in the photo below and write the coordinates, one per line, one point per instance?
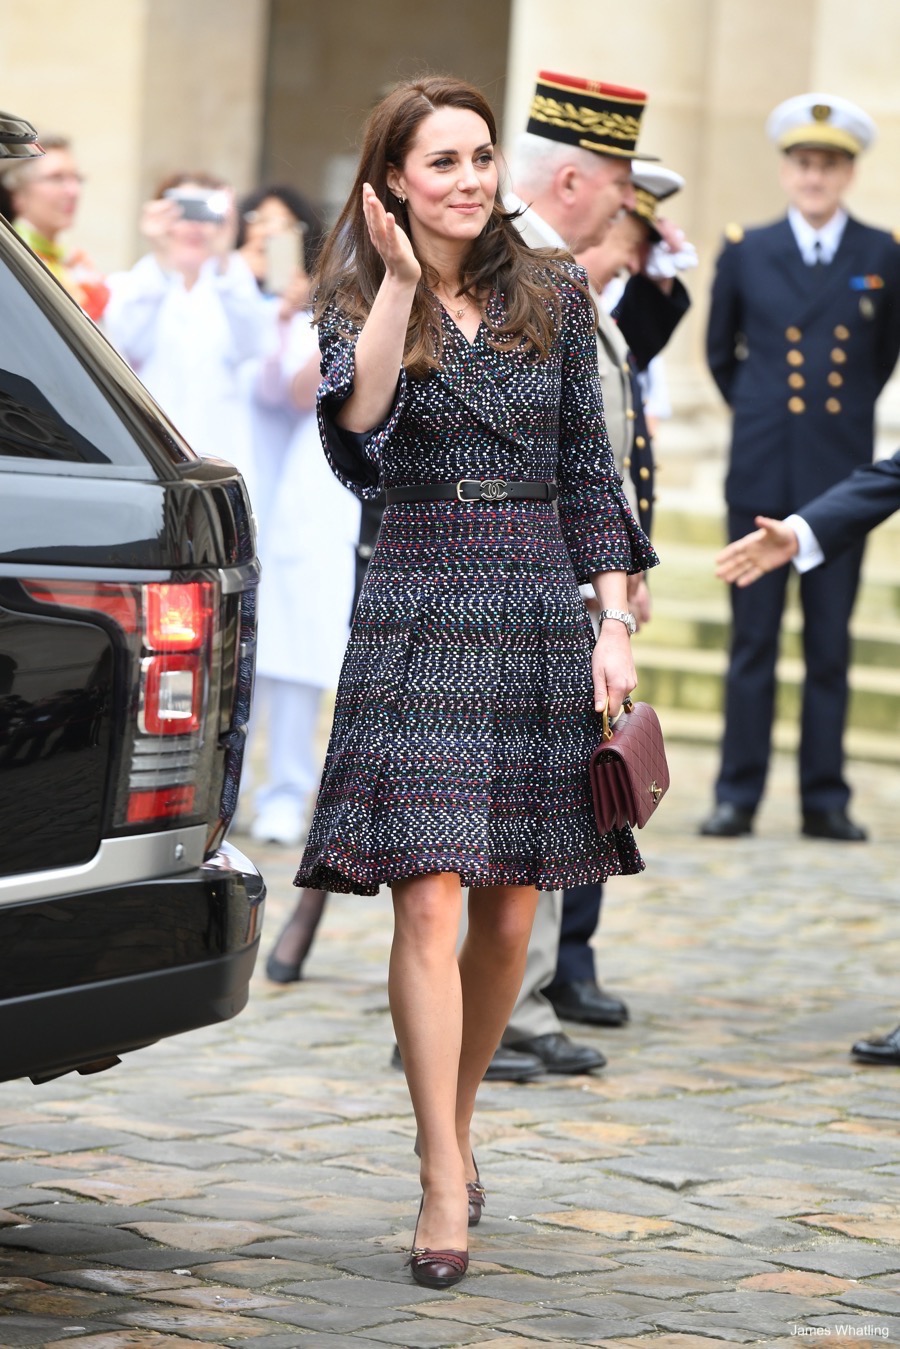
(127, 628)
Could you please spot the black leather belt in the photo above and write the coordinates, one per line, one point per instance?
(474, 489)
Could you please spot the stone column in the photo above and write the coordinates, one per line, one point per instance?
(142, 87)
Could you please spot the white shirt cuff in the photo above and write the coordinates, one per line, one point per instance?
(809, 553)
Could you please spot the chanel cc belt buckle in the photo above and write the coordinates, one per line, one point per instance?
(489, 489)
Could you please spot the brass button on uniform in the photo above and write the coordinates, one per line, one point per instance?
(793, 334)
(795, 357)
(796, 381)
(839, 355)
(832, 405)
(630, 414)
(841, 333)
(626, 463)
(645, 473)
(640, 442)
(796, 404)
(834, 379)
(644, 504)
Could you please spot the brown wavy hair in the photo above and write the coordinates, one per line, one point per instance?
(350, 268)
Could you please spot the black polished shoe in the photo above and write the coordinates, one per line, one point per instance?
(880, 1049)
(559, 1054)
(511, 1065)
(584, 1000)
(834, 824)
(727, 821)
(506, 1066)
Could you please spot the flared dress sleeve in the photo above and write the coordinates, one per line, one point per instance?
(355, 457)
(600, 531)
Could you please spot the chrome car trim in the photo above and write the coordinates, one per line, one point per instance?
(118, 861)
(243, 577)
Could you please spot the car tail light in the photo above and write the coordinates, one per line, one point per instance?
(165, 803)
(171, 694)
(177, 616)
(172, 632)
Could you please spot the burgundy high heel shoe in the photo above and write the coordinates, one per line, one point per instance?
(477, 1195)
(436, 1269)
(474, 1189)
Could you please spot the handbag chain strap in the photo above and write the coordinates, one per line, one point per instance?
(627, 706)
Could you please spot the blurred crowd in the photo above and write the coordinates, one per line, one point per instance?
(215, 319)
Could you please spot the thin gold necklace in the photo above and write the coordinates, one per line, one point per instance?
(448, 305)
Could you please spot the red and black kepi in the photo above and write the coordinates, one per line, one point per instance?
(605, 118)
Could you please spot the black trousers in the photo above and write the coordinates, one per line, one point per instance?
(580, 919)
(827, 594)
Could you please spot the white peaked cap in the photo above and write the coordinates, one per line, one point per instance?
(823, 121)
(658, 181)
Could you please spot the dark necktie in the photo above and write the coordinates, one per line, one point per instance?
(819, 266)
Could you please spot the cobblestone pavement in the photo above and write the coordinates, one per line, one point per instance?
(731, 1176)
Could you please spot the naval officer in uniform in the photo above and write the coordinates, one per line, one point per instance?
(804, 331)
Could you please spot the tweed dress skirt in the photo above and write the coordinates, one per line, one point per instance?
(464, 719)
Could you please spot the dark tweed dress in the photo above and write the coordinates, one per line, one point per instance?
(464, 719)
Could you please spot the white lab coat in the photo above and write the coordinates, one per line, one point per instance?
(187, 347)
(307, 544)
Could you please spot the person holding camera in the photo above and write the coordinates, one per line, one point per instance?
(189, 313)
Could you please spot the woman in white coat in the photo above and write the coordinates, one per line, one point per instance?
(189, 313)
(307, 547)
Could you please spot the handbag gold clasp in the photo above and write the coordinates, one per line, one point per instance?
(627, 706)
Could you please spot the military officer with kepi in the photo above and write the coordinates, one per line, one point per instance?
(804, 331)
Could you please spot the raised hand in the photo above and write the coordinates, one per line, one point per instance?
(765, 549)
(388, 238)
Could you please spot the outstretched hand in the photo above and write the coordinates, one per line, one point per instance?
(770, 546)
(388, 238)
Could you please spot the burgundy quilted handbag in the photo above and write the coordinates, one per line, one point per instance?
(629, 773)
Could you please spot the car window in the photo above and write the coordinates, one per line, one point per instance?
(65, 398)
(49, 408)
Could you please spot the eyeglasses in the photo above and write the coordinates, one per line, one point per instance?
(59, 179)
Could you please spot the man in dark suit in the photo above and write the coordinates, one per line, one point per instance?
(651, 251)
(804, 331)
(825, 528)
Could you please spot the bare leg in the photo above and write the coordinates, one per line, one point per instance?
(296, 937)
(491, 963)
(426, 1006)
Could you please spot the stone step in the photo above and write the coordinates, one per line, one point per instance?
(682, 655)
(695, 625)
(706, 729)
(687, 572)
(692, 680)
(705, 529)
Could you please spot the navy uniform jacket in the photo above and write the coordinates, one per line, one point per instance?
(647, 318)
(800, 354)
(845, 513)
